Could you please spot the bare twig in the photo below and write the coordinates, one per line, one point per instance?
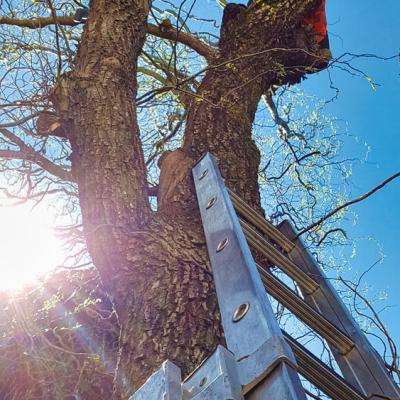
(376, 320)
(26, 152)
(349, 203)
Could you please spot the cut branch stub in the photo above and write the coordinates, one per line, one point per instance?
(49, 123)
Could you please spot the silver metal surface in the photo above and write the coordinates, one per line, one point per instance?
(268, 357)
(362, 367)
(321, 375)
(276, 389)
(287, 297)
(256, 340)
(258, 221)
(222, 244)
(164, 384)
(211, 202)
(277, 258)
(216, 379)
(203, 174)
(240, 312)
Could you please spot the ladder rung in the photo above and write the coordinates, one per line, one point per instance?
(306, 313)
(321, 375)
(260, 223)
(278, 259)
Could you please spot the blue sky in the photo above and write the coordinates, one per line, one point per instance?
(370, 26)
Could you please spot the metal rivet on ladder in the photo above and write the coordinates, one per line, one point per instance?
(203, 381)
(240, 312)
(222, 244)
(211, 202)
(204, 173)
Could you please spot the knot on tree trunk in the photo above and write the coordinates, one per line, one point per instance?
(176, 192)
(48, 123)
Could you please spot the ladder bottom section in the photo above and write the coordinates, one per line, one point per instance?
(275, 386)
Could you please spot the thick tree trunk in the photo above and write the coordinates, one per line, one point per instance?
(155, 268)
(155, 265)
(254, 54)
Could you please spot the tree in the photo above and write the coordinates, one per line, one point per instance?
(75, 132)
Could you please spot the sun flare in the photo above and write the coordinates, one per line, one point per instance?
(28, 246)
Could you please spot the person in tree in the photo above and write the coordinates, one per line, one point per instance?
(318, 24)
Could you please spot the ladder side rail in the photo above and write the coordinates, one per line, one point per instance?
(320, 375)
(254, 218)
(264, 360)
(301, 309)
(362, 366)
(276, 257)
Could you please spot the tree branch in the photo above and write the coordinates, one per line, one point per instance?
(184, 38)
(38, 23)
(165, 33)
(29, 154)
(349, 203)
(375, 319)
(20, 121)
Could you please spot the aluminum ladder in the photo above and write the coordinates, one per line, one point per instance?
(261, 362)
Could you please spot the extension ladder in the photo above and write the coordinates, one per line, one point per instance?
(261, 362)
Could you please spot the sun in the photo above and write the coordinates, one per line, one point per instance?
(28, 246)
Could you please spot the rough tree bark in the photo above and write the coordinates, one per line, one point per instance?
(154, 265)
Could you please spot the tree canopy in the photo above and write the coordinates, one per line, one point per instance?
(105, 118)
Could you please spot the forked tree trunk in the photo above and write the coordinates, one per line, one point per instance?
(155, 265)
